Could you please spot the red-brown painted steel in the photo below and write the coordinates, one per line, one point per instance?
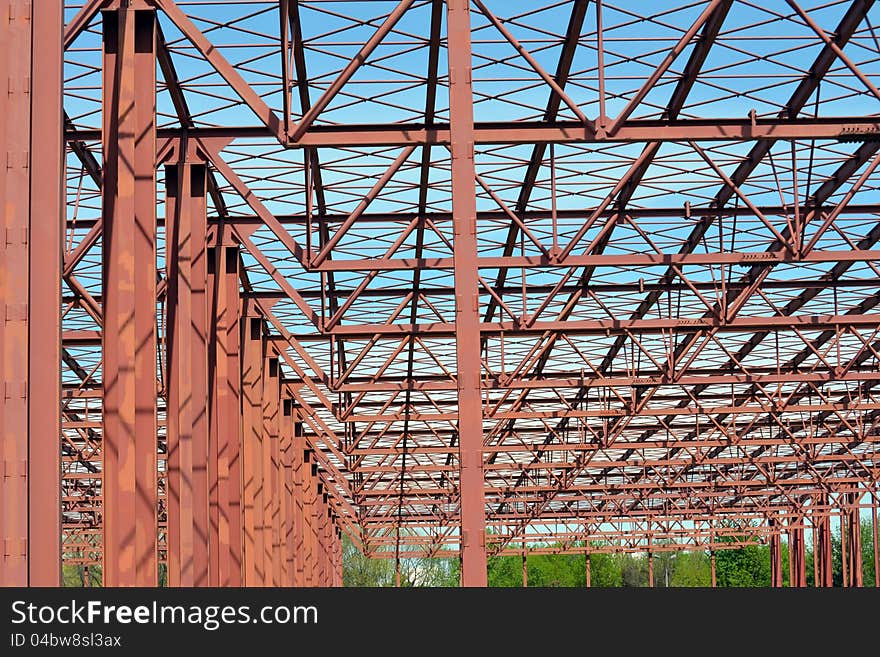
(677, 260)
(270, 460)
(851, 540)
(253, 349)
(225, 384)
(15, 106)
(44, 318)
(187, 376)
(285, 491)
(298, 466)
(129, 282)
(797, 568)
(821, 518)
(32, 220)
(775, 553)
(467, 337)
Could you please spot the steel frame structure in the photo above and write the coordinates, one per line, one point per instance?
(275, 271)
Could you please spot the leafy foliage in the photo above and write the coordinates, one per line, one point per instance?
(747, 566)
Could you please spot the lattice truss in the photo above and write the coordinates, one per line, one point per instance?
(676, 257)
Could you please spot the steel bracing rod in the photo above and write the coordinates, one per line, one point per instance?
(552, 82)
(424, 185)
(831, 431)
(696, 326)
(679, 96)
(823, 62)
(232, 77)
(591, 444)
(312, 164)
(314, 179)
(754, 456)
(373, 454)
(439, 218)
(536, 161)
(591, 261)
(841, 461)
(711, 12)
(823, 192)
(622, 464)
(557, 380)
(560, 132)
(310, 114)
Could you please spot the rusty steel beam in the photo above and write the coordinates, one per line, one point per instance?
(615, 326)
(187, 377)
(129, 283)
(253, 349)
(285, 492)
(298, 467)
(851, 540)
(560, 132)
(578, 363)
(466, 329)
(797, 556)
(30, 257)
(601, 260)
(225, 390)
(270, 462)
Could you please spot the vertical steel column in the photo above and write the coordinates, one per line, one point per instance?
(309, 507)
(286, 491)
(525, 571)
(588, 567)
(797, 555)
(187, 377)
(854, 539)
(15, 54)
(30, 279)
(253, 349)
(298, 467)
(328, 541)
(271, 479)
(338, 572)
(47, 216)
(129, 284)
(307, 513)
(775, 554)
(651, 569)
(876, 533)
(844, 539)
(822, 551)
(320, 535)
(224, 383)
(714, 573)
(467, 300)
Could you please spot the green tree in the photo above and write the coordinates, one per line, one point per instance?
(867, 540)
(77, 575)
(744, 566)
(556, 570)
(605, 570)
(691, 569)
(428, 572)
(634, 570)
(360, 570)
(665, 563)
(504, 571)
